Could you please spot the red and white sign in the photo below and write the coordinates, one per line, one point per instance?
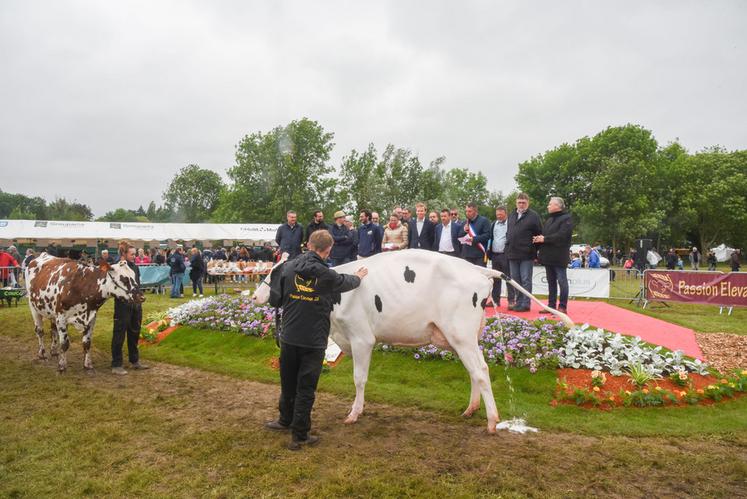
(714, 288)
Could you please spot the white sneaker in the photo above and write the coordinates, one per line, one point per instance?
(193, 295)
(202, 296)
(181, 296)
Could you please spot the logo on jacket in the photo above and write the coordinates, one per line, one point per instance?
(304, 285)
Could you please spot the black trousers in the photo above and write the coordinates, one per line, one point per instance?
(479, 261)
(127, 320)
(500, 263)
(300, 368)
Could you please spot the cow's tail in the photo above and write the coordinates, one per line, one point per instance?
(495, 274)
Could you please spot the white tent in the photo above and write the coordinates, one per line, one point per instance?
(723, 252)
(114, 231)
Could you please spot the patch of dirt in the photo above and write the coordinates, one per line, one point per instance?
(724, 351)
(609, 392)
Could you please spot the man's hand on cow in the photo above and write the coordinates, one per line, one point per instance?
(361, 272)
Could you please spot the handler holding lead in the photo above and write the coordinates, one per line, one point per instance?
(306, 290)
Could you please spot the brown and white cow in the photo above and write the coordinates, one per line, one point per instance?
(69, 293)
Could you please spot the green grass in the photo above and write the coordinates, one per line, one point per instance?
(443, 387)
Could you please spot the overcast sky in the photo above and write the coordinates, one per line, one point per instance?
(102, 102)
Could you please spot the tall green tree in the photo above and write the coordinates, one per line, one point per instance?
(62, 209)
(193, 193)
(285, 169)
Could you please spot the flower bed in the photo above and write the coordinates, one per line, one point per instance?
(226, 313)
(543, 343)
(595, 389)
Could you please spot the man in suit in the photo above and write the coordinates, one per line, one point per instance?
(421, 229)
(446, 236)
(498, 258)
(523, 225)
(474, 236)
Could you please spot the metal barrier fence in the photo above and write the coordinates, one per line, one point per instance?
(626, 284)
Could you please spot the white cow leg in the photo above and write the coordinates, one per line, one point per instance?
(54, 348)
(39, 330)
(87, 362)
(64, 344)
(474, 399)
(477, 368)
(361, 361)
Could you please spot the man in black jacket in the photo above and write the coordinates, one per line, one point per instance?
(128, 318)
(343, 239)
(421, 230)
(307, 290)
(316, 224)
(290, 236)
(554, 245)
(523, 225)
(474, 236)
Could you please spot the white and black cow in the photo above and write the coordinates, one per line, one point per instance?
(69, 293)
(413, 298)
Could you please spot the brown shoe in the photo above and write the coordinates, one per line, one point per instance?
(276, 426)
(296, 444)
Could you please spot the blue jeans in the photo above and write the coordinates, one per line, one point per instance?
(521, 272)
(556, 276)
(176, 285)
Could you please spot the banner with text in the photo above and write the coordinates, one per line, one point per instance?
(713, 288)
(589, 283)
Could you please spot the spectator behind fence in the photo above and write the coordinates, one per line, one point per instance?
(197, 271)
(369, 236)
(474, 236)
(105, 257)
(290, 236)
(395, 235)
(28, 259)
(734, 260)
(142, 258)
(711, 259)
(576, 261)
(498, 258)
(523, 224)
(343, 241)
(593, 260)
(7, 268)
(671, 259)
(446, 236)
(421, 229)
(353, 253)
(554, 244)
(695, 258)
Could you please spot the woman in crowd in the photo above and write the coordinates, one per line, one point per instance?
(395, 235)
(142, 258)
(197, 271)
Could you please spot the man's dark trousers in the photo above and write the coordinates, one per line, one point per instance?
(479, 261)
(500, 263)
(127, 320)
(300, 368)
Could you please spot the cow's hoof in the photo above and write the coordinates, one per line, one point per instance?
(351, 419)
(55, 354)
(41, 356)
(492, 430)
(468, 413)
(89, 370)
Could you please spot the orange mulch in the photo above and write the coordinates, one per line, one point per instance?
(160, 336)
(581, 378)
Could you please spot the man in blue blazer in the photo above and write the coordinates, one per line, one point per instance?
(446, 238)
(421, 229)
(474, 234)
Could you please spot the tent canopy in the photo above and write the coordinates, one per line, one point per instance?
(78, 231)
(722, 252)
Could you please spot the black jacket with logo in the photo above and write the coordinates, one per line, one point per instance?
(309, 290)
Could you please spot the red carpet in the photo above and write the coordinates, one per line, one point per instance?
(620, 320)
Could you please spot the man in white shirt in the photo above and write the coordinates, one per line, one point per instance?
(498, 256)
(446, 241)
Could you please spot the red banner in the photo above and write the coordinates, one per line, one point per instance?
(714, 288)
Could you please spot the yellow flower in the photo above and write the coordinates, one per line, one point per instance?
(724, 381)
(744, 372)
(683, 375)
(700, 391)
(731, 385)
(710, 387)
(627, 392)
(612, 399)
(658, 388)
(596, 388)
(645, 391)
(682, 394)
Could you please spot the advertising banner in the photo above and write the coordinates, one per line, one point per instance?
(713, 288)
(589, 283)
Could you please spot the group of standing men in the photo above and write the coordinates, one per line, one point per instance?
(512, 242)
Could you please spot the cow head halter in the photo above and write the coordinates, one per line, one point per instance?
(114, 281)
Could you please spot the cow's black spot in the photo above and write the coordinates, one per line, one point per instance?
(377, 302)
(409, 275)
(483, 303)
(474, 300)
